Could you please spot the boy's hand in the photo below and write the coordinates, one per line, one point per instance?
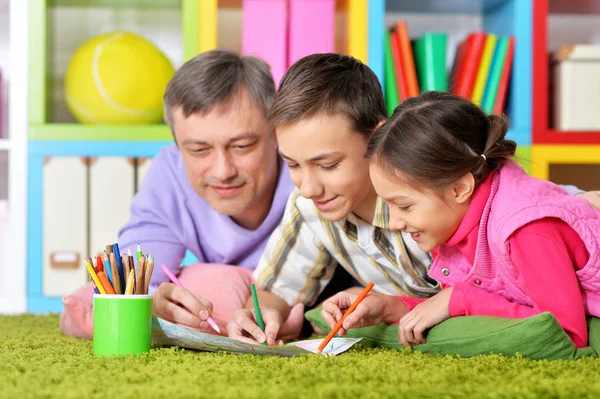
(178, 305)
(374, 309)
(592, 196)
(425, 315)
(245, 328)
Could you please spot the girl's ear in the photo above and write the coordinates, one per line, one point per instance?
(463, 188)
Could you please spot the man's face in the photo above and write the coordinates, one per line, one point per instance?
(230, 156)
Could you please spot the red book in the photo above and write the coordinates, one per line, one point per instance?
(504, 78)
(398, 68)
(408, 61)
(470, 58)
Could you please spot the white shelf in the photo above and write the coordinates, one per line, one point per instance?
(13, 266)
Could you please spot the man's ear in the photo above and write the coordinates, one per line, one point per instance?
(463, 188)
(275, 142)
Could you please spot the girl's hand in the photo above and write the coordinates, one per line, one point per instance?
(425, 315)
(374, 309)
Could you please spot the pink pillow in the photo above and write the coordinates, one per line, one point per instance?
(227, 287)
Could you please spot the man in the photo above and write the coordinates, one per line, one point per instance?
(218, 192)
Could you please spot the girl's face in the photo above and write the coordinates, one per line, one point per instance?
(327, 163)
(431, 217)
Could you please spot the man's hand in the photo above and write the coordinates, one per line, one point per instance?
(592, 196)
(374, 309)
(178, 305)
(245, 328)
(425, 315)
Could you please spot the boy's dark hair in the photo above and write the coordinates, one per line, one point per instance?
(436, 138)
(329, 84)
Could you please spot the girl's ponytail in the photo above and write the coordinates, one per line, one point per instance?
(497, 149)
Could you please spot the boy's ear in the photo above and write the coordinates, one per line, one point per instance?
(463, 188)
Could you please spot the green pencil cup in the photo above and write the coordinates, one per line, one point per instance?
(122, 324)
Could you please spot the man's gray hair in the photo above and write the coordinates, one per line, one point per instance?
(213, 79)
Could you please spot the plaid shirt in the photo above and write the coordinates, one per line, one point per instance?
(304, 250)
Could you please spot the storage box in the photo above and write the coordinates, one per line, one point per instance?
(575, 78)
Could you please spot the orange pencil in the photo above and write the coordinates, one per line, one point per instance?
(106, 284)
(339, 324)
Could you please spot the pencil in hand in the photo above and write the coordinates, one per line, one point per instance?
(259, 319)
(340, 322)
(176, 281)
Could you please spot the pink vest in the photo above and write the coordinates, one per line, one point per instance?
(515, 200)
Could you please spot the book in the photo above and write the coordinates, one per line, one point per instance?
(504, 79)
(311, 28)
(484, 68)
(491, 87)
(390, 84)
(408, 61)
(430, 61)
(168, 334)
(398, 68)
(264, 33)
(468, 64)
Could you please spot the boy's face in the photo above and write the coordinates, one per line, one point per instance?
(327, 163)
(230, 158)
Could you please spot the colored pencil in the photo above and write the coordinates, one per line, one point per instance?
(148, 274)
(99, 265)
(119, 266)
(339, 324)
(95, 278)
(129, 286)
(139, 252)
(174, 279)
(107, 266)
(116, 281)
(105, 283)
(125, 263)
(139, 284)
(259, 318)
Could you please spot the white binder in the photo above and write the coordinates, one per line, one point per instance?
(64, 225)
(111, 191)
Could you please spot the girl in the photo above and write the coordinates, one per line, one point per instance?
(507, 244)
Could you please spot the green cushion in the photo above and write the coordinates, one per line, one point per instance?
(537, 337)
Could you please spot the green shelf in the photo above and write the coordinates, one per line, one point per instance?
(78, 132)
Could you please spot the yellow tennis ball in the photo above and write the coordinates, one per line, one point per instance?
(117, 78)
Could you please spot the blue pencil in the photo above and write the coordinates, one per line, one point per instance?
(107, 267)
(119, 266)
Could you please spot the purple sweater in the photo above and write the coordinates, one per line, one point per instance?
(168, 218)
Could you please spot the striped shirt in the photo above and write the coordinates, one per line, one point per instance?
(304, 250)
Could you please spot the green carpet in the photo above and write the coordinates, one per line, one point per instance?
(36, 360)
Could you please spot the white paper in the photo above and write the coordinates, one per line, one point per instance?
(169, 334)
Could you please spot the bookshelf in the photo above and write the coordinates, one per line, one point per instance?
(56, 140)
(562, 156)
